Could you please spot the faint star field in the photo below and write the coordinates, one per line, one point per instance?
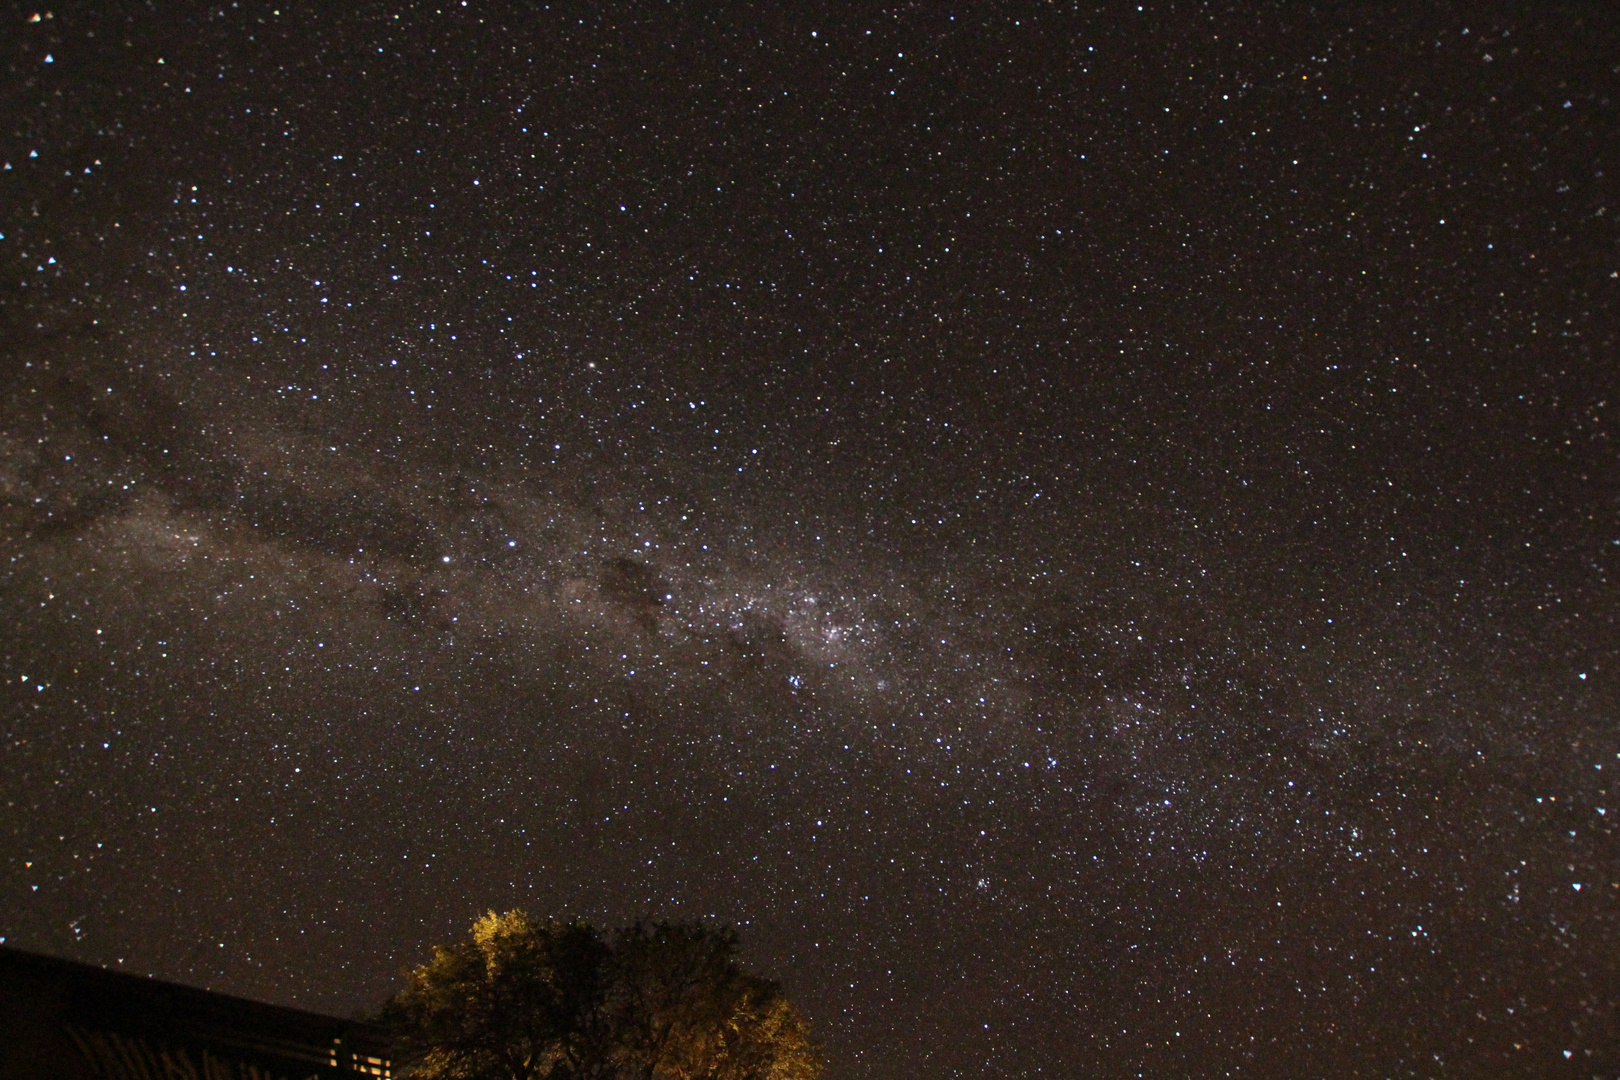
(1088, 534)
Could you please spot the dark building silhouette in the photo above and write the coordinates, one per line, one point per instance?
(65, 1021)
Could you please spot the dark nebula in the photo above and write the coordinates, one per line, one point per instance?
(1088, 533)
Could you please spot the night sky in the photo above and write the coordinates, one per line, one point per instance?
(1089, 534)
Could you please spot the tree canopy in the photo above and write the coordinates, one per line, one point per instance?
(522, 1000)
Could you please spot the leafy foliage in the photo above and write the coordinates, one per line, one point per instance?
(653, 1001)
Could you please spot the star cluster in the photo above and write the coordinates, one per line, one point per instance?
(1088, 534)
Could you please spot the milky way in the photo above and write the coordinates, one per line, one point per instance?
(1089, 536)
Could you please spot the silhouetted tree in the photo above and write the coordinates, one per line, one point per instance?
(518, 1002)
(655, 1001)
(685, 1010)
